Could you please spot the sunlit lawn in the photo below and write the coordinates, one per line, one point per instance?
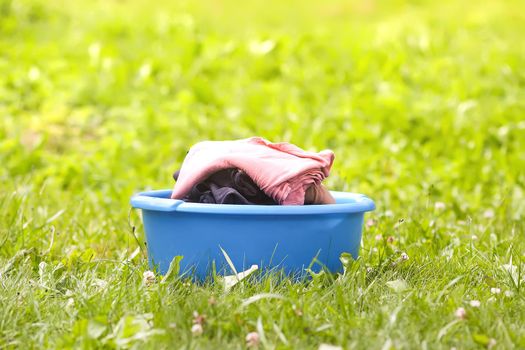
(422, 102)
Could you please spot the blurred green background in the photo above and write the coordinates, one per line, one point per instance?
(421, 101)
(102, 99)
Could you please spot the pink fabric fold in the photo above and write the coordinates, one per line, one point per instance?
(282, 170)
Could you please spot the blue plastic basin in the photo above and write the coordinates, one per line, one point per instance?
(270, 236)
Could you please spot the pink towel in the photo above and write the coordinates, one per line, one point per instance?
(283, 171)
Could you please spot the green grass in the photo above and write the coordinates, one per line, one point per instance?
(422, 102)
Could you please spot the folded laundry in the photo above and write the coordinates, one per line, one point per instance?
(284, 172)
(228, 186)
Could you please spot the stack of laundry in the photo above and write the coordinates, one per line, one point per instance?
(253, 171)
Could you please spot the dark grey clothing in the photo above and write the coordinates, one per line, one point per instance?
(229, 186)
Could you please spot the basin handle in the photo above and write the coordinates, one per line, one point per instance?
(155, 203)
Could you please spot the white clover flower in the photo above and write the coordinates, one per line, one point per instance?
(379, 237)
(148, 278)
(488, 214)
(70, 302)
(461, 313)
(198, 318)
(370, 222)
(42, 266)
(475, 303)
(439, 205)
(404, 256)
(100, 283)
(33, 74)
(495, 290)
(197, 329)
(492, 343)
(252, 339)
(509, 294)
(474, 237)
(329, 347)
